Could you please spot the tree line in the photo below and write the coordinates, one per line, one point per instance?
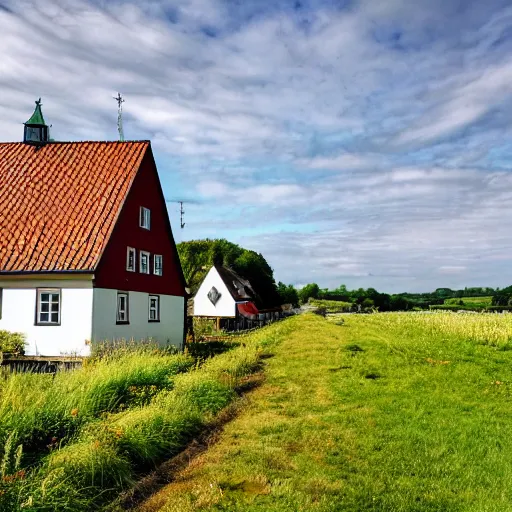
(197, 257)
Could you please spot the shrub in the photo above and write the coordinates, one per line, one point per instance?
(13, 342)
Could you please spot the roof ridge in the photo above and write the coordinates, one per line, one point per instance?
(82, 141)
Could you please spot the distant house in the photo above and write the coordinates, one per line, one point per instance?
(224, 294)
(220, 292)
(86, 247)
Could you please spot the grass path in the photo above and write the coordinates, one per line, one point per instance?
(362, 417)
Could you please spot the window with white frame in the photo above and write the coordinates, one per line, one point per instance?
(154, 308)
(144, 262)
(145, 218)
(122, 308)
(48, 306)
(131, 258)
(157, 264)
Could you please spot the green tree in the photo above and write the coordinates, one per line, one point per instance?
(198, 256)
(255, 268)
(311, 290)
(288, 294)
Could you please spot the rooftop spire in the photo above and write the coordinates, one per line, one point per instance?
(36, 130)
(37, 116)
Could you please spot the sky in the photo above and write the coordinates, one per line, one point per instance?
(360, 142)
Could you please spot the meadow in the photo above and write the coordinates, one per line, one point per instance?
(381, 412)
(75, 440)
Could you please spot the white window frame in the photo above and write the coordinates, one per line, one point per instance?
(156, 309)
(123, 315)
(52, 292)
(148, 268)
(145, 218)
(133, 252)
(158, 269)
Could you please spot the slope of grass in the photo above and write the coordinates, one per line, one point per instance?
(388, 412)
(111, 450)
(43, 410)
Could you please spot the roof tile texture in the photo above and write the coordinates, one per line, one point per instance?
(59, 202)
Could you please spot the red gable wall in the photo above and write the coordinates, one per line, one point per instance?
(111, 272)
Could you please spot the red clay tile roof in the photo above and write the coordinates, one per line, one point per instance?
(59, 202)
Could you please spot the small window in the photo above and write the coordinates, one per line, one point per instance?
(145, 218)
(157, 265)
(144, 262)
(131, 257)
(48, 307)
(122, 308)
(154, 308)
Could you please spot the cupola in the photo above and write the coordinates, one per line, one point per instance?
(36, 130)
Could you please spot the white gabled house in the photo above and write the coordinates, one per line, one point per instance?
(86, 247)
(224, 294)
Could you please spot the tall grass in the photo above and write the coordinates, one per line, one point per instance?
(136, 436)
(482, 328)
(42, 411)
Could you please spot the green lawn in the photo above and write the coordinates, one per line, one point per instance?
(395, 412)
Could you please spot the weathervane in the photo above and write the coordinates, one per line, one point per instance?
(120, 102)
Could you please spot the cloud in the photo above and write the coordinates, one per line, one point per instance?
(340, 140)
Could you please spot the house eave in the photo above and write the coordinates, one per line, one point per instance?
(85, 275)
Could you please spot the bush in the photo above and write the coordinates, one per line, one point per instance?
(13, 342)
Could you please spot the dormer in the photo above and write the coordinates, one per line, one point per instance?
(36, 130)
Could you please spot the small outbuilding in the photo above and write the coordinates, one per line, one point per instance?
(230, 299)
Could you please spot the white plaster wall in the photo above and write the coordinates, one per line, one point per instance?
(19, 312)
(225, 307)
(168, 331)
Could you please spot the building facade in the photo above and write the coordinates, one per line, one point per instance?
(86, 247)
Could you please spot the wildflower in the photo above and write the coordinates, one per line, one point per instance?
(74, 412)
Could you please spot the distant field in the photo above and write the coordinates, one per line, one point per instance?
(470, 301)
(332, 306)
(384, 412)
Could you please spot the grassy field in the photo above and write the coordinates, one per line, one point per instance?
(385, 412)
(477, 301)
(74, 441)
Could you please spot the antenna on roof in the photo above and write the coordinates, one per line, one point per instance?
(182, 213)
(120, 102)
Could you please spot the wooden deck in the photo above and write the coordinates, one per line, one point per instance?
(39, 364)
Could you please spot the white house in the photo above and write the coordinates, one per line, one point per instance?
(224, 294)
(86, 247)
